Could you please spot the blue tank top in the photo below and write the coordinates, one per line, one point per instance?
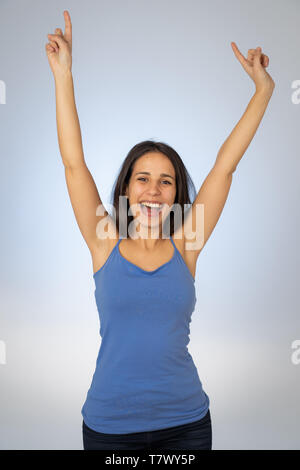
(145, 379)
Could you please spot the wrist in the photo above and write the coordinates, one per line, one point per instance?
(265, 91)
(62, 75)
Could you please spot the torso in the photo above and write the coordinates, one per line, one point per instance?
(147, 262)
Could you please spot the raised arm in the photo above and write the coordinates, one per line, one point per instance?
(82, 190)
(209, 203)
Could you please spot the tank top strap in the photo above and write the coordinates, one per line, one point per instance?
(116, 247)
(173, 242)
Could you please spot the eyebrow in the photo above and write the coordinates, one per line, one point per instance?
(147, 173)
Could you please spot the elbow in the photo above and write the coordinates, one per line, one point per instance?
(228, 171)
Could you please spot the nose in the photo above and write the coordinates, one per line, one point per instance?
(154, 189)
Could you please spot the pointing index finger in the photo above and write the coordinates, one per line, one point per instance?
(238, 54)
(68, 26)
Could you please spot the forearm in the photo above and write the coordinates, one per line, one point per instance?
(238, 141)
(68, 127)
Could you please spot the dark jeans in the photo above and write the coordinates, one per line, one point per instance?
(194, 436)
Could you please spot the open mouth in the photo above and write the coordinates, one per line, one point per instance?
(151, 211)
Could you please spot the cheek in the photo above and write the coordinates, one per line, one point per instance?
(172, 195)
(136, 189)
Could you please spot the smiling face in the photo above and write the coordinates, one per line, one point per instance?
(153, 179)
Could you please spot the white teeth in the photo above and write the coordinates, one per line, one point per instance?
(151, 204)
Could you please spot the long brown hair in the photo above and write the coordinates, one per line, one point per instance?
(184, 183)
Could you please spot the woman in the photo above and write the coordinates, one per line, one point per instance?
(146, 392)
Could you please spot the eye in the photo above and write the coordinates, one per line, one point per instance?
(165, 181)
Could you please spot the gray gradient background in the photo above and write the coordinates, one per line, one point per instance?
(163, 70)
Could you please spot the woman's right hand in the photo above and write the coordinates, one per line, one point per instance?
(59, 48)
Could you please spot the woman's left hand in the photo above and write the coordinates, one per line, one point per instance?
(255, 65)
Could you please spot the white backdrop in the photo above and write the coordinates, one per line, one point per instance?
(163, 70)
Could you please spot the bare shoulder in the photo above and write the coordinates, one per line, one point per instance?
(103, 247)
(189, 256)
